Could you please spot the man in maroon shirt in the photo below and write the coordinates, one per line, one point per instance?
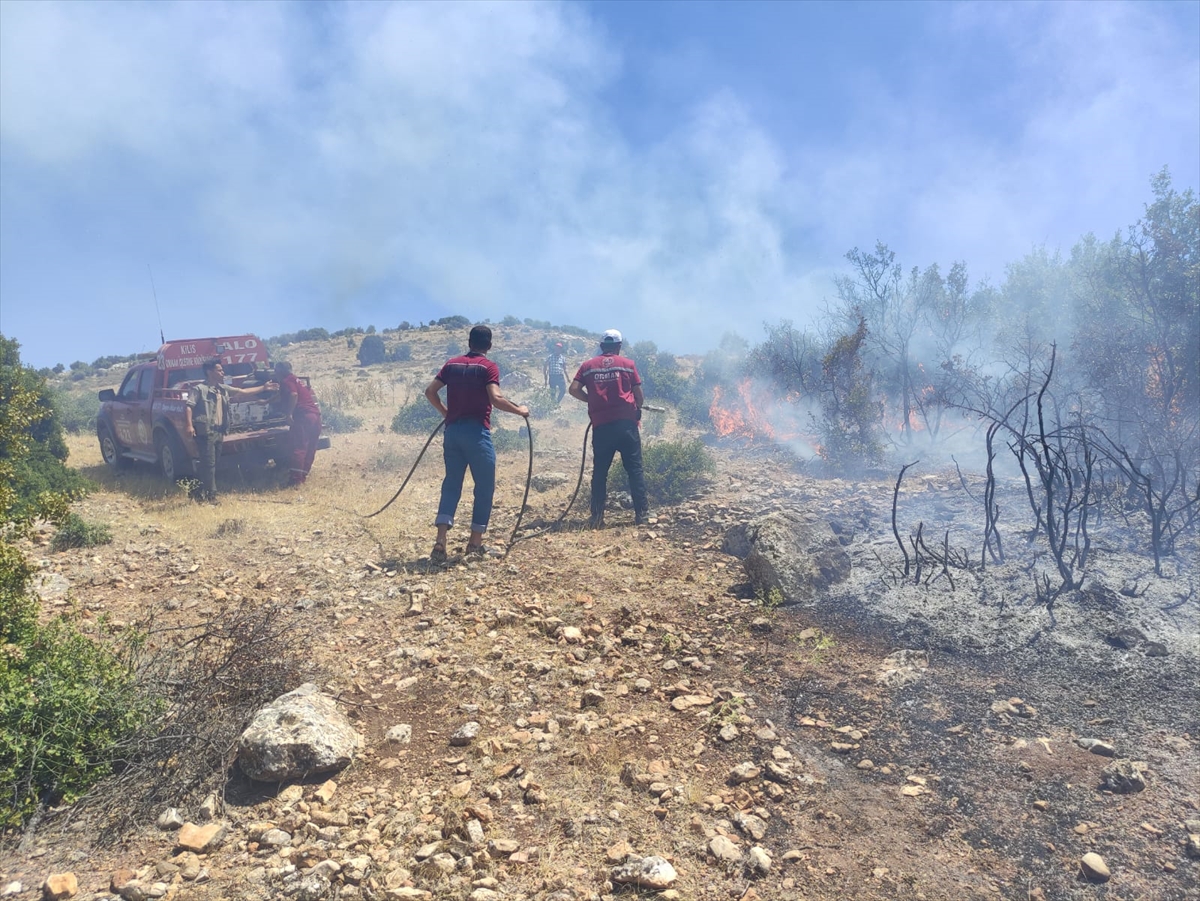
(472, 384)
(300, 406)
(611, 387)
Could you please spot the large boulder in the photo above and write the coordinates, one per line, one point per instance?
(296, 735)
(790, 551)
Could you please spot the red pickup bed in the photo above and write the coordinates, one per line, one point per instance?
(144, 418)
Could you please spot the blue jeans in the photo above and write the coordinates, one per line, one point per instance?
(607, 441)
(467, 443)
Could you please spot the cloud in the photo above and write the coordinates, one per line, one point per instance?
(332, 164)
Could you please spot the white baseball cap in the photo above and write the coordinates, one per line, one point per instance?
(612, 336)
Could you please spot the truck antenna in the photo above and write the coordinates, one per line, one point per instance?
(162, 339)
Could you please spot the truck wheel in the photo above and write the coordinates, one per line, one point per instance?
(172, 458)
(109, 449)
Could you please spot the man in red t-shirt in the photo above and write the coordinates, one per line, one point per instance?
(300, 406)
(472, 384)
(611, 387)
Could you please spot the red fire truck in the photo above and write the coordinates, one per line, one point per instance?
(144, 418)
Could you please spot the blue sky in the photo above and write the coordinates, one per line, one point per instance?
(675, 170)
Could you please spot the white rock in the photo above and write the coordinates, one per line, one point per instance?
(758, 861)
(743, 772)
(465, 734)
(645, 872)
(1094, 867)
(399, 735)
(722, 848)
(296, 735)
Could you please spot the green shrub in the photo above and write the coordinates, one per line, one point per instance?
(75, 412)
(695, 406)
(40, 474)
(338, 421)
(66, 702)
(541, 403)
(371, 350)
(76, 532)
(34, 480)
(675, 470)
(506, 440)
(416, 416)
(401, 353)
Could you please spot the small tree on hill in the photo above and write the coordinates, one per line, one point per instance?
(372, 350)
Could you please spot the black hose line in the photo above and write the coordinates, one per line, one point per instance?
(525, 499)
(528, 479)
(579, 483)
(512, 539)
(428, 441)
(570, 503)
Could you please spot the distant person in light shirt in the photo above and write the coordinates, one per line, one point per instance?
(555, 373)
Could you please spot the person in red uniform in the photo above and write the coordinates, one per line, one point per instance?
(611, 387)
(472, 384)
(300, 406)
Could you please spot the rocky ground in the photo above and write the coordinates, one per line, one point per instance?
(639, 713)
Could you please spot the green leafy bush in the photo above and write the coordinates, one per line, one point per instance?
(416, 416)
(371, 350)
(541, 403)
(675, 470)
(66, 702)
(77, 532)
(34, 482)
(507, 440)
(401, 353)
(335, 419)
(40, 474)
(661, 379)
(695, 407)
(76, 412)
(305, 334)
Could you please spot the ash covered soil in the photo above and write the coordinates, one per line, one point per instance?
(911, 741)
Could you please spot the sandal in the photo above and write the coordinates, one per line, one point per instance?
(480, 550)
(438, 554)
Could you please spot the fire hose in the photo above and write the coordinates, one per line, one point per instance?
(528, 480)
(578, 484)
(428, 441)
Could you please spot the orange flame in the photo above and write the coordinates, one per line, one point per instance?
(745, 421)
(754, 418)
